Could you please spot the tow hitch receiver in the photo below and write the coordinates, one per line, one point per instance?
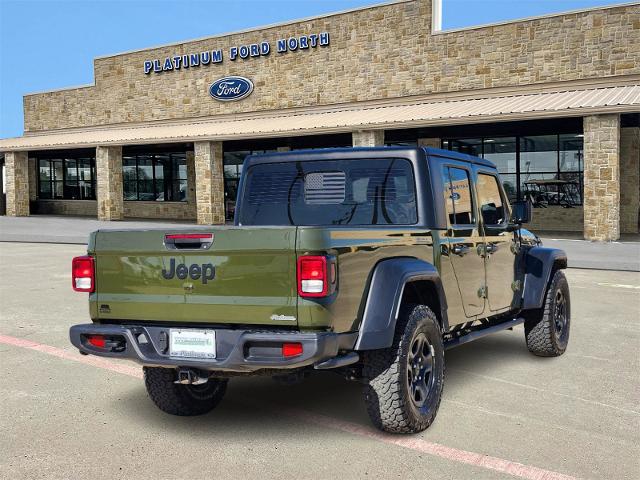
(187, 376)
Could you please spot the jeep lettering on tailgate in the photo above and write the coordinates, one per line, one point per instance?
(204, 272)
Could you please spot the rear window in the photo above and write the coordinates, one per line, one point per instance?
(332, 192)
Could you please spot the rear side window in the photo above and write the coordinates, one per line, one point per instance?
(490, 200)
(331, 192)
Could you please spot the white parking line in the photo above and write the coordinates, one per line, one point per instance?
(550, 392)
(618, 285)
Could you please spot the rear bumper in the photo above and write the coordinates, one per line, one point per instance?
(236, 350)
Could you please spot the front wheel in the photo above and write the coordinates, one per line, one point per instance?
(547, 329)
(184, 400)
(405, 381)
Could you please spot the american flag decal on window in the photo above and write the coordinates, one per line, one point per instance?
(324, 187)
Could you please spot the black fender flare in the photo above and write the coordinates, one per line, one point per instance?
(539, 264)
(385, 295)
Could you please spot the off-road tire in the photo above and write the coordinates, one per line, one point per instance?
(387, 372)
(183, 400)
(544, 337)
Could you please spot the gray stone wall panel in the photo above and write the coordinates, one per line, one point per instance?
(376, 53)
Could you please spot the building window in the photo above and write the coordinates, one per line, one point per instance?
(547, 169)
(66, 177)
(155, 177)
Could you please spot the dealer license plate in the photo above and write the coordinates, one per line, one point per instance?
(192, 343)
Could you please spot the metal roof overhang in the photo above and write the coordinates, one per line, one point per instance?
(437, 112)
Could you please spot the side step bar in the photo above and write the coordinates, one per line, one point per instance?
(481, 332)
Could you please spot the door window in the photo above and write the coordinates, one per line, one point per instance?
(492, 206)
(457, 196)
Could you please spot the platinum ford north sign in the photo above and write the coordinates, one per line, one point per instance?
(228, 89)
(244, 52)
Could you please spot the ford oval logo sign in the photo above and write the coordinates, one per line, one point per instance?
(228, 89)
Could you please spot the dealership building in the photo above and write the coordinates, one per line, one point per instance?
(553, 101)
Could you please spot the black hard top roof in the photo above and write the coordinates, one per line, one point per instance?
(361, 152)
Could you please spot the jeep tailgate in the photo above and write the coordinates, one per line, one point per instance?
(247, 275)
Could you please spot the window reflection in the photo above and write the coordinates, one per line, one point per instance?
(232, 165)
(66, 176)
(548, 169)
(160, 177)
(502, 152)
(470, 146)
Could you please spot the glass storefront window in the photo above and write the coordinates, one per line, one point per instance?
(571, 155)
(502, 152)
(470, 146)
(66, 177)
(548, 169)
(539, 154)
(160, 177)
(510, 184)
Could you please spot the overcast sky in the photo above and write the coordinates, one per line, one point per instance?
(51, 44)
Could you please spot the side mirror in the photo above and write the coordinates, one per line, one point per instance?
(521, 212)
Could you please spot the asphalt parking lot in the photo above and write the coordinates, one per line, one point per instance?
(504, 414)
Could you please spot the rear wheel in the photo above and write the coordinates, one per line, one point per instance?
(547, 329)
(405, 381)
(183, 400)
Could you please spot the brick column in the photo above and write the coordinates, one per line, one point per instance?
(17, 183)
(430, 142)
(109, 182)
(368, 138)
(629, 179)
(602, 177)
(209, 183)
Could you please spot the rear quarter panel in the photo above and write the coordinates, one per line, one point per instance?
(358, 250)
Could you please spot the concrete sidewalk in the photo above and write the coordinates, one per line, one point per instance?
(624, 255)
(597, 255)
(66, 229)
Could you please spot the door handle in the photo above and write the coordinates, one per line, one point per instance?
(460, 249)
(486, 249)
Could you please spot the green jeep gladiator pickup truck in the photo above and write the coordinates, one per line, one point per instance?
(368, 261)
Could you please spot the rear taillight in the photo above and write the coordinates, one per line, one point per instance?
(312, 276)
(83, 274)
(291, 349)
(97, 340)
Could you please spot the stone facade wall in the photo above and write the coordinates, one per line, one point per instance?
(209, 183)
(629, 179)
(375, 53)
(557, 219)
(602, 177)
(109, 183)
(85, 208)
(368, 138)
(165, 210)
(430, 142)
(17, 184)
